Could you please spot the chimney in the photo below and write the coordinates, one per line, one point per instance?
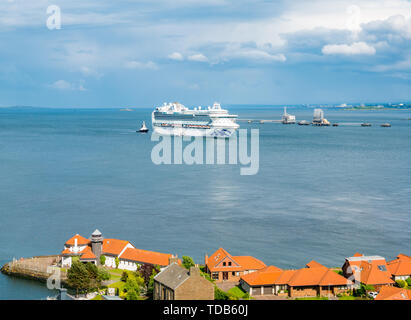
(194, 271)
(173, 259)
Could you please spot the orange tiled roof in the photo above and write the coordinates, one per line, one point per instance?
(238, 263)
(357, 254)
(249, 263)
(285, 277)
(80, 240)
(400, 267)
(371, 274)
(114, 246)
(317, 276)
(393, 293)
(264, 276)
(403, 256)
(66, 252)
(87, 254)
(314, 264)
(144, 256)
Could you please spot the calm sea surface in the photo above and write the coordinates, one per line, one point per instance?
(321, 193)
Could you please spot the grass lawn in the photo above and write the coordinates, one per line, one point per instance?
(98, 297)
(312, 298)
(237, 292)
(120, 285)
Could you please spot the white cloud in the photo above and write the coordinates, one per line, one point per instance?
(176, 56)
(141, 65)
(257, 55)
(356, 48)
(198, 57)
(65, 85)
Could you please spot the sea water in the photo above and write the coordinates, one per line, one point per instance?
(321, 193)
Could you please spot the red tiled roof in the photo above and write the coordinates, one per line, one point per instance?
(114, 246)
(80, 240)
(371, 273)
(87, 254)
(285, 277)
(66, 252)
(400, 267)
(238, 263)
(264, 276)
(249, 263)
(316, 276)
(314, 264)
(393, 293)
(144, 256)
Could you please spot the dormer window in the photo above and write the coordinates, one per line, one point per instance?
(229, 263)
(224, 264)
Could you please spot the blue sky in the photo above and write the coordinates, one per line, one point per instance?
(146, 52)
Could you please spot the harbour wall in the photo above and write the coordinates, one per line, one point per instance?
(37, 268)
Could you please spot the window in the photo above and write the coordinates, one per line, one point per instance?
(224, 264)
(229, 263)
(382, 268)
(215, 275)
(233, 273)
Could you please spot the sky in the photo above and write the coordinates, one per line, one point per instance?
(142, 53)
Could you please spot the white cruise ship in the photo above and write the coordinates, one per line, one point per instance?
(176, 119)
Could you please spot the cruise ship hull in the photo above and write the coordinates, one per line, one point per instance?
(180, 131)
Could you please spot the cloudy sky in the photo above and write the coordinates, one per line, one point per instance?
(144, 52)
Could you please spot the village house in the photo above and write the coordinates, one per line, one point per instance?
(224, 267)
(129, 257)
(178, 283)
(313, 280)
(369, 270)
(393, 293)
(400, 268)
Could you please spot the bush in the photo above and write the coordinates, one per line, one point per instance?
(408, 282)
(117, 261)
(124, 276)
(220, 294)
(402, 283)
(104, 275)
(188, 262)
(102, 260)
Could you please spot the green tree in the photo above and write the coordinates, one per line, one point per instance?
(188, 262)
(132, 295)
(408, 282)
(103, 275)
(124, 276)
(117, 262)
(78, 277)
(402, 283)
(102, 260)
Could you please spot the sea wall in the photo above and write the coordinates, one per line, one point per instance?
(38, 268)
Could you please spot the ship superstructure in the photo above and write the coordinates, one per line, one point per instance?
(176, 119)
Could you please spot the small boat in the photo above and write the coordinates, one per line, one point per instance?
(366, 124)
(303, 123)
(386, 125)
(249, 121)
(143, 128)
(335, 124)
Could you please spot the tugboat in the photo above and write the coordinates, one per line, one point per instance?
(386, 125)
(143, 128)
(335, 124)
(303, 123)
(366, 124)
